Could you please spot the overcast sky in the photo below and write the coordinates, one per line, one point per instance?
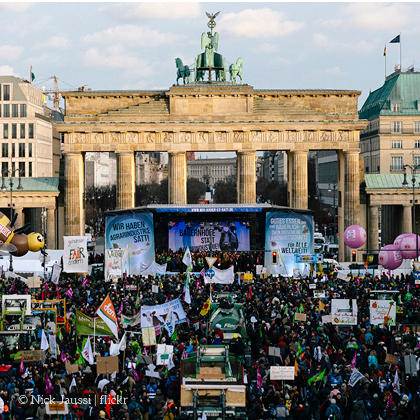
(110, 46)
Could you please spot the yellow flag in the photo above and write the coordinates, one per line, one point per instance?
(206, 308)
(321, 305)
(296, 367)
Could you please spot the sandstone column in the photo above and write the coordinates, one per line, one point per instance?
(299, 179)
(245, 177)
(349, 165)
(73, 199)
(51, 228)
(407, 219)
(177, 178)
(125, 180)
(373, 234)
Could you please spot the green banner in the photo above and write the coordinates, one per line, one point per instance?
(84, 325)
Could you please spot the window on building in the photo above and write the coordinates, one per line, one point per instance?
(6, 92)
(21, 149)
(416, 126)
(15, 110)
(396, 144)
(5, 150)
(13, 151)
(29, 149)
(396, 163)
(22, 168)
(6, 111)
(13, 167)
(396, 127)
(14, 131)
(22, 131)
(22, 110)
(31, 131)
(396, 107)
(4, 168)
(417, 144)
(417, 161)
(30, 169)
(5, 131)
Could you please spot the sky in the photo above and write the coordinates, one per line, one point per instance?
(133, 46)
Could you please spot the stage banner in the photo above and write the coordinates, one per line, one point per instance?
(75, 254)
(223, 237)
(344, 311)
(135, 233)
(288, 234)
(155, 315)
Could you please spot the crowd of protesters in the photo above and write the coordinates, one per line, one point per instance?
(270, 305)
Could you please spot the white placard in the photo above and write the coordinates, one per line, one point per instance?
(327, 319)
(282, 373)
(319, 294)
(75, 254)
(155, 289)
(312, 286)
(383, 312)
(342, 313)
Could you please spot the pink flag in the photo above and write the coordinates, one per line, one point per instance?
(388, 273)
(121, 308)
(167, 299)
(46, 284)
(144, 350)
(85, 281)
(353, 363)
(198, 282)
(203, 273)
(298, 289)
(64, 358)
(408, 286)
(22, 368)
(13, 288)
(136, 376)
(184, 354)
(259, 379)
(357, 280)
(48, 385)
(389, 402)
(69, 293)
(125, 274)
(157, 330)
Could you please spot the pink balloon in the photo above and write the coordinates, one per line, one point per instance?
(390, 257)
(398, 239)
(408, 246)
(354, 236)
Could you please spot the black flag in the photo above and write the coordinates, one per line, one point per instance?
(396, 40)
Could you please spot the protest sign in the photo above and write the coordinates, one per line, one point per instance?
(75, 254)
(107, 364)
(154, 315)
(300, 317)
(148, 336)
(282, 373)
(393, 360)
(84, 325)
(72, 368)
(319, 294)
(344, 311)
(31, 355)
(383, 312)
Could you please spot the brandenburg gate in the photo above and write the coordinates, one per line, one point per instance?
(213, 116)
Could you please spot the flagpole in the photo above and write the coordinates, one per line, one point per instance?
(385, 60)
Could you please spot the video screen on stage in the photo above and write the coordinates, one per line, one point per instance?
(224, 236)
(135, 232)
(288, 234)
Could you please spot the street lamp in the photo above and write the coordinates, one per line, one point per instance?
(4, 190)
(405, 186)
(334, 226)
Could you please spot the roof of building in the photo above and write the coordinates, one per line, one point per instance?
(399, 87)
(33, 184)
(219, 161)
(18, 95)
(389, 181)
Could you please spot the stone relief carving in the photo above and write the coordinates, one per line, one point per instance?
(150, 138)
(272, 136)
(325, 136)
(185, 138)
(202, 137)
(256, 136)
(114, 137)
(291, 136)
(132, 137)
(238, 136)
(220, 137)
(168, 137)
(342, 136)
(79, 138)
(308, 136)
(98, 138)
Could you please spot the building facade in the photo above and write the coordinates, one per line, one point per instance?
(150, 168)
(210, 171)
(29, 158)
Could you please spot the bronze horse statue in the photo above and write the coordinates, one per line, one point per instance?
(183, 71)
(236, 70)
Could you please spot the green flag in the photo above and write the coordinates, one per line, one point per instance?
(285, 310)
(300, 351)
(317, 377)
(301, 308)
(80, 360)
(174, 336)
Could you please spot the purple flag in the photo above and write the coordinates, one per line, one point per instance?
(64, 358)
(69, 293)
(157, 330)
(353, 363)
(121, 308)
(136, 376)
(259, 379)
(144, 351)
(408, 286)
(198, 282)
(85, 281)
(389, 402)
(22, 368)
(184, 354)
(48, 385)
(203, 273)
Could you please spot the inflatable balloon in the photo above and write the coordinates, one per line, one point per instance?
(354, 236)
(390, 257)
(398, 240)
(409, 247)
